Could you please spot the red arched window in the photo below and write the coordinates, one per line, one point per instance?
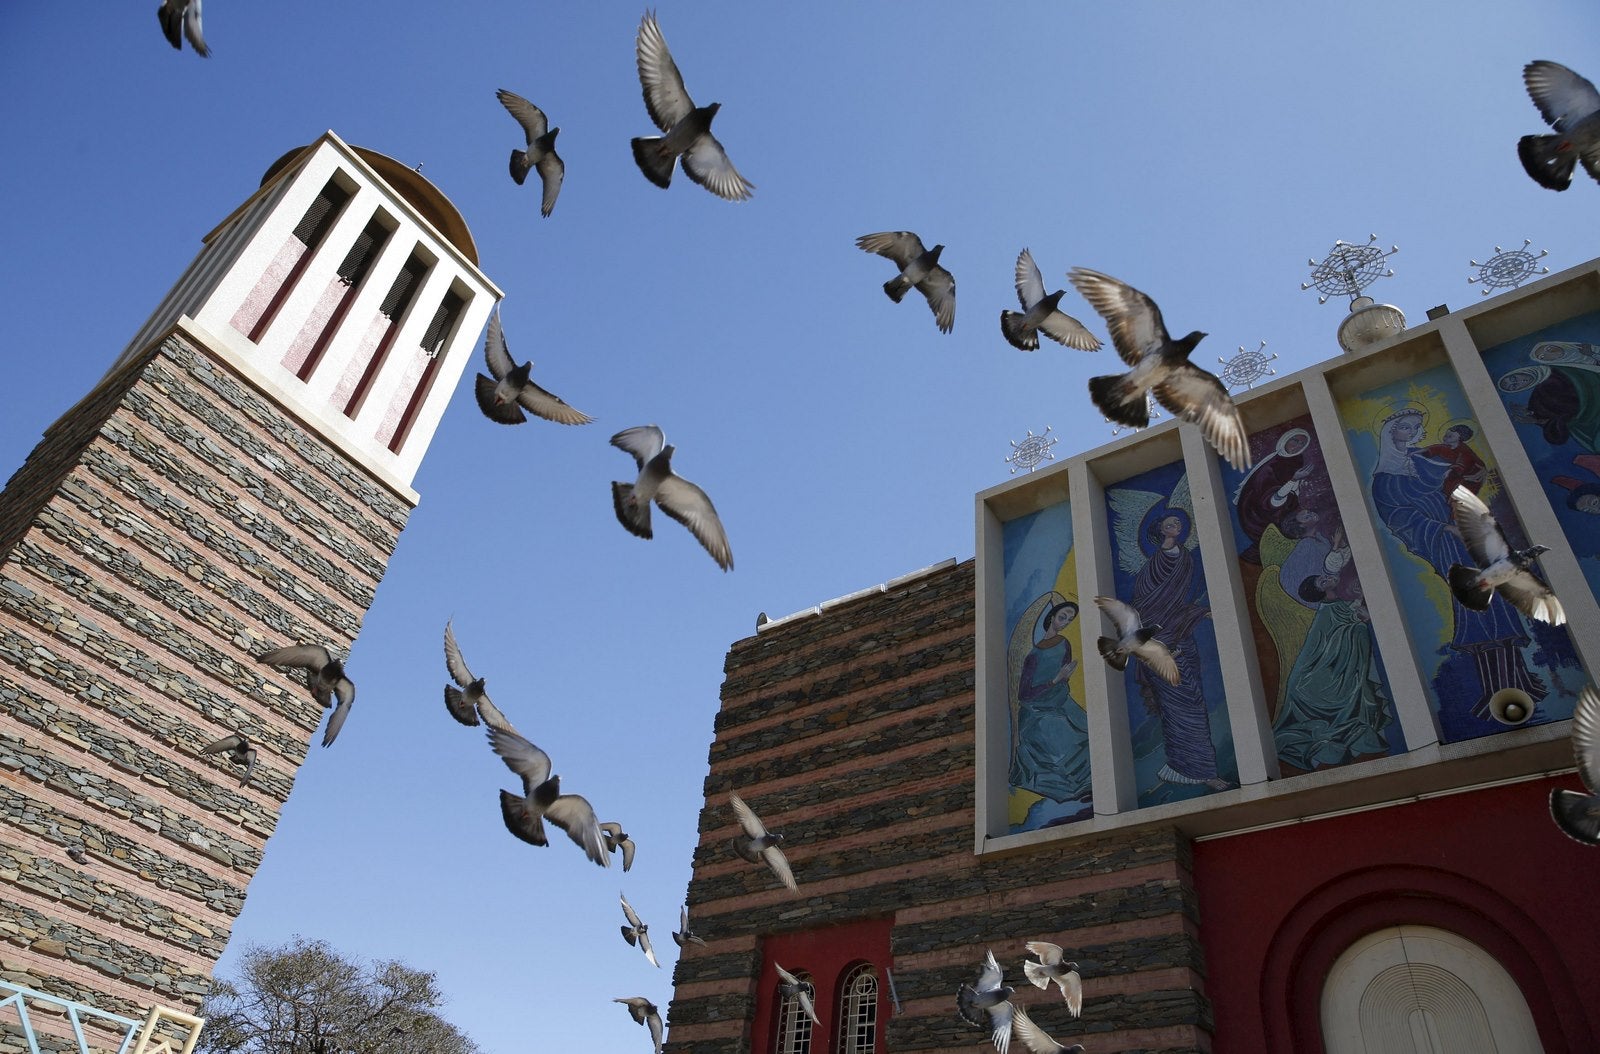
(858, 1010)
(794, 1024)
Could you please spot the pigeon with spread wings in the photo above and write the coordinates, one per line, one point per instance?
(1575, 812)
(1134, 639)
(238, 750)
(804, 992)
(1052, 967)
(1501, 569)
(618, 839)
(1041, 313)
(503, 397)
(986, 1003)
(919, 270)
(758, 845)
(636, 932)
(325, 678)
(1160, 366)
(540, 153)
(542, 799)
(467, 700)
(678, 498)
(683, 935)
(1571, 105)
(687, 127)
(1036, 1039)
(644, 1012)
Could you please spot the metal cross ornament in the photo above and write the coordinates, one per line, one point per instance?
(1032, 451)
(1508, 268)
(1246, 368)
(1348, 269)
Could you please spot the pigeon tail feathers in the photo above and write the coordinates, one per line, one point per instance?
(634, 516)
(1108, 651)
(1578, 815)
(1546, 162)
(897, 287)
(1036, 971)
(1119, 400)
(1469, 589)
(503, 413)
(653, 161)
(1018, 335)
(520, 166)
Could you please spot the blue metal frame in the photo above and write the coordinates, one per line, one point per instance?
(19, 998)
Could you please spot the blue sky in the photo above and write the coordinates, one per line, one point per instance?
(1201, 152)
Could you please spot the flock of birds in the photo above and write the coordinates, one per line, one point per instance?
(1159, 366)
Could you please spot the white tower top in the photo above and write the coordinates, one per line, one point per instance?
(347, 289)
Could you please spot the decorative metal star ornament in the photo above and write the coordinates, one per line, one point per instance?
(1032, 451)
(1246, 368)
(1348, 269)
(1508, 268)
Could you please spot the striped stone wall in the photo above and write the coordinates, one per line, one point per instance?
(167, 528)
(851, 731)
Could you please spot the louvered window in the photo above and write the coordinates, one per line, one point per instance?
(318, 220)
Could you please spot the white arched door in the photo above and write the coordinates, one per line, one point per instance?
(1419, 990)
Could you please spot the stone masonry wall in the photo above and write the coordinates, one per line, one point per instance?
(168, 528)
(852, 733)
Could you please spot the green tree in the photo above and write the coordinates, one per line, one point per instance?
(306, 998)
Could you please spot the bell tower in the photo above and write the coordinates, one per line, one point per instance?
(237, 481)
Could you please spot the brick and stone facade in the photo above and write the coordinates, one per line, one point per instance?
(851, 731)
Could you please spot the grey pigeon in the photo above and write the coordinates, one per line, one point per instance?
(757, 844)
(467, 700)
(542, 799)
(504, 396)
(79, 853)
(238, 750)
(616, 838)
(1042, 314)
(1160, 366)
(181, 18)
(1050, 967)
(804, 991)
(919, 269)
(1577, 813)
(1501, 569)
(645, 1013)
(678, 498)
(636, 932)
(1134, 639)
(683, 936)
(1034, 1038)
(541, 151)
(986, 1003)
(1569, 104)
(325, 678)
(687, 127)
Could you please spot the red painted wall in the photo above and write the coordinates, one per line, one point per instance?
(826, 954)
(1277, 907)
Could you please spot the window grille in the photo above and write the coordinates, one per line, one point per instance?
(794, 1025)
(320, 216)
(858, 1011)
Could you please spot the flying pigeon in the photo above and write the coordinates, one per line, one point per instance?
(687, 126)
(645, 1013)
(1034, 1038)
(542, 798)
(79, 853)
(636, 932)
(1134, 639)
(616, 838)
(181, 18)
(239, 751)
(1500, 568)
(1041, 314)
(324, 677)
(469, 701)
(683, 935)
(987, 1004)
(919, 267)
(1569, 104)
(1050, 967)
(503, 397)
(678, 498)
(1161, 366)
(804, 991)
(541, 152)
(1578, 814)
(757, 845)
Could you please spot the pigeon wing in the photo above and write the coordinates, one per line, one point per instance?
(1030, 283)
(1133, 318)
(459, 671)
(171, 15)
(900, 246)
(1072, 988)
(192, 30)
(347, 696)
(574, 815)
(311, 657)
(939, 286)
(990, 977)
(249, 766)
(521, 757)
(495, 353)
(1033, 1037)
(690, 506)
(780, 866)
(1155, 655)
(550, 407)
(1533, 598)
(1197, 395)
(1562, 96)
(753, 827)
(633, 916)
(1479, 529)
(1064, 329)
(552, 170)
(233, 742)
(1000, 1016)
(1124, 618)
(532, 119)
(643, 442)
(664, 94)
(493, 717)
(707, 164)
(653, 1019)
(1586, 738)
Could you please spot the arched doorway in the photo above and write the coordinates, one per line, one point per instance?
(1422, 990)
